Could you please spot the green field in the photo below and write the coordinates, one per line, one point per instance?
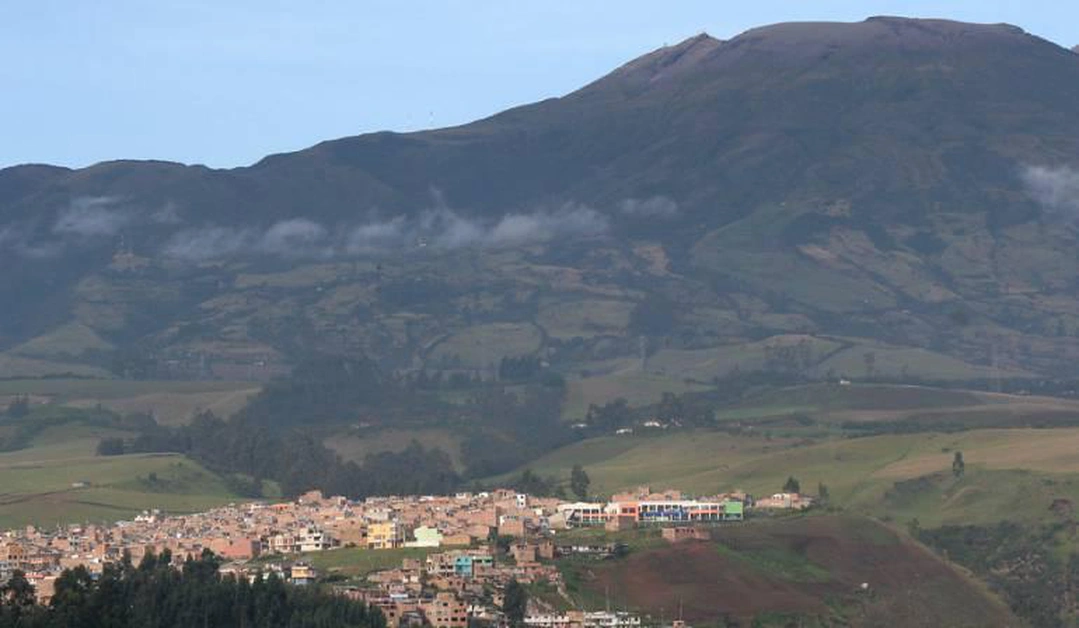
(482, 346)
(12, 365)
(59, 479)
(171, 402)
(358, 445)
(64, 342)
(636, 387)
(1010, 474)
(357, 563)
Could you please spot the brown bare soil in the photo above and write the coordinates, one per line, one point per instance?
(812, 566)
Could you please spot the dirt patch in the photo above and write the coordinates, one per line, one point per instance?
(814, 566)
(708, 584)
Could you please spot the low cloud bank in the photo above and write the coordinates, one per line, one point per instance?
(654, 207)
(442, 229)
(92, 221)
(1055, 188)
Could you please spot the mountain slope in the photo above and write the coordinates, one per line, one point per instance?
(886, 185)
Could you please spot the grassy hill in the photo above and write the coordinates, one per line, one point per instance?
(804, 571)
(1012, 472)
(57, 477)
(170, 402)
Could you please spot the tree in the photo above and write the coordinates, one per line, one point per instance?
(515, 603)
(792, 485)
(18, 592)
(958, 466)
(110, 447)
(579, 481)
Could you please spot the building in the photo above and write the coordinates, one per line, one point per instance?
(445, 611)
(302, 574)
(384, 535)
(677, 534)
(235, 549)
(581, 619)
(467, 565)
(312, 539)
(785, 501)
(579, 514)
(425, 536)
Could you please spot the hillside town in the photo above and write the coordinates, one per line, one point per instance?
(469, 546)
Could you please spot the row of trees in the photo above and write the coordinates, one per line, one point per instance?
(274, 437)
(533, 484)
(295, 459)
(159, 594)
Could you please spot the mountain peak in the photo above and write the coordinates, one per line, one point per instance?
(664, 63)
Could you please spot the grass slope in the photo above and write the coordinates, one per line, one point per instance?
(171, 402)
(1010, 474)
(807, 567)
(357, 446)
(38, 484)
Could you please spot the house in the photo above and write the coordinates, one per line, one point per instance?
(312, 539)
(785, 501)
(235, 549)
(445, 611)
(677, 534)
(468, 565)
(581, 619)
(585, 514)
(511, 526)
(523, 552)
(425, 536)
(384, 535)
(302, 574)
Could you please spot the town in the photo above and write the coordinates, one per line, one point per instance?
(474, 545)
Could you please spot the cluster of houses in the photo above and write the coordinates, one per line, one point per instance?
(460, 567)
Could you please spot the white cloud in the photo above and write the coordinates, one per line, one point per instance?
(652, 207)
(1057, 189)
(440, 229)
(92, 217)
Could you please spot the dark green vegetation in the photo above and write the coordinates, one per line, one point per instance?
(1033, 567)
(804, 571)
(158, 593)
(274, 437)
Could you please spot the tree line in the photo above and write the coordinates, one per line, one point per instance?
(273, 437)
(160, 594)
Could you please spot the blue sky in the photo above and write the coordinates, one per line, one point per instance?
(224, 82)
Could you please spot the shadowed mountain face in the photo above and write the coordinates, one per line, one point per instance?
(896, 187)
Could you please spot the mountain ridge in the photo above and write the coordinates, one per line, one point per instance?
(802, 178)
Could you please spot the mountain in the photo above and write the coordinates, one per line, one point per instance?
(888, 198)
